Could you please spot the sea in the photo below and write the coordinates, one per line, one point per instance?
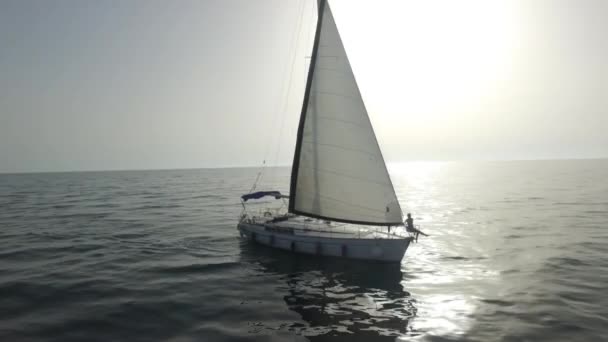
(517, 251)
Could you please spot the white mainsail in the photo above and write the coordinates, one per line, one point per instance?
(338, 172)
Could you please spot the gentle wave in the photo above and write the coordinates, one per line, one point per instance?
(514, 253)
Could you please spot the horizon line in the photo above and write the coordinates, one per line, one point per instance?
(219, 167)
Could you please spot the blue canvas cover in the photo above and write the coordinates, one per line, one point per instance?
(260, 194)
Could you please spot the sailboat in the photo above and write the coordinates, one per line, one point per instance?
(342, 202)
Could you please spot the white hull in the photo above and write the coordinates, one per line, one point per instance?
(378, 249)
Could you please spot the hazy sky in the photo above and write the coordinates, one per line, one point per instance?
(89, 85)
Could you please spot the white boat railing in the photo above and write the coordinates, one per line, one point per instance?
(299, 224)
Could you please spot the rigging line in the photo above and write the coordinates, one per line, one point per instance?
(269, 144)
(257, 178)
(309, 37)
(289, 80)
(311, 31)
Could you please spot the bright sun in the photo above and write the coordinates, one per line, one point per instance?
(421, 61)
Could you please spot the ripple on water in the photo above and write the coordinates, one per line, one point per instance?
(517, 252)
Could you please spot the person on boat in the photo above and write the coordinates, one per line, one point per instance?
(409, 226)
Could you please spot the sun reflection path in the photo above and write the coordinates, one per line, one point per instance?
(446, 273)
(415, 186)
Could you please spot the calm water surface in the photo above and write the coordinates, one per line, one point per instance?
(518, 252)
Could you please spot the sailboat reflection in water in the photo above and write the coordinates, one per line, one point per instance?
(339, 297)
(341, 198)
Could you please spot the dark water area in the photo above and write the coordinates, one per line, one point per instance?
(518, 252)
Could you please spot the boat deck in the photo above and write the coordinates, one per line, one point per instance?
(301, 226)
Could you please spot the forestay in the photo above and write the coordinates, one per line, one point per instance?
(338, 172)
